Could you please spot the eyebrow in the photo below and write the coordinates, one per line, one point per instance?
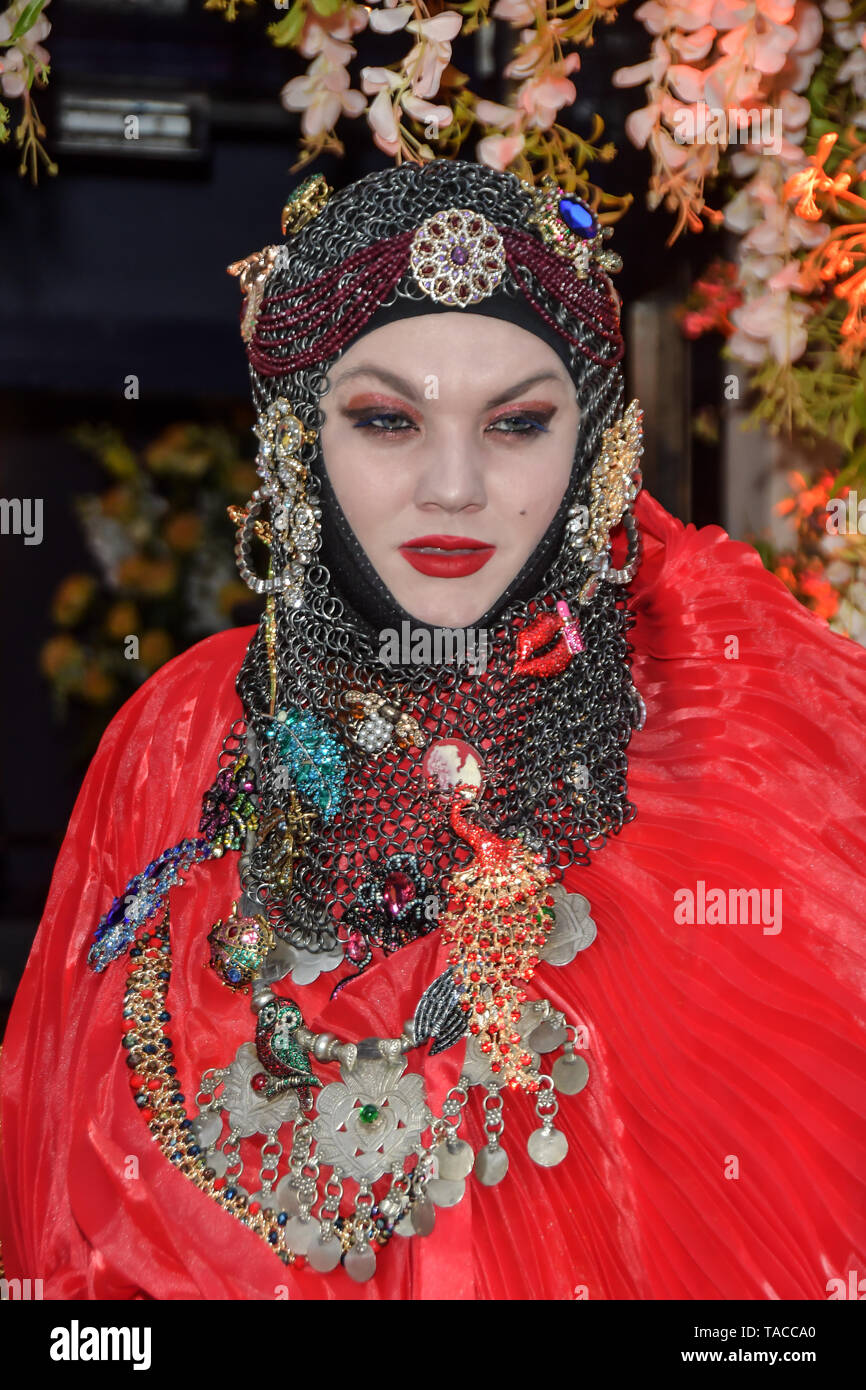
(405, 387)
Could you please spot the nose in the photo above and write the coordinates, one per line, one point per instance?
(451, 474)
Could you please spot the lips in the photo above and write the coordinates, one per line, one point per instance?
(447, 557)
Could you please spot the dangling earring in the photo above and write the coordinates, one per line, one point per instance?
(614, 484)
(295, 520)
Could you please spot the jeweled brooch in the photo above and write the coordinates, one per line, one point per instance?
(457, 256)
(571, 228)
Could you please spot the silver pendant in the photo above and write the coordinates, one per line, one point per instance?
(360, 1263)
(455, 1159)
(371, 1119)
(300, 1234)
(287, 1197)
(404, 1226)
(570, 1074)
(207, 1128)
(324, 1255)
(574, 929)
(444, 1192)
(548, 1036)
(491, 1165)
(547, 1146)
(250, 1112)
(423, 1217)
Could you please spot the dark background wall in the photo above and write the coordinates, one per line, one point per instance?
(117, 267)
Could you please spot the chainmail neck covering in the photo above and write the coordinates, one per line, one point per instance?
(553, 749)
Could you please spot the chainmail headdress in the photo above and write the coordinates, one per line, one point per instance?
(553, 750)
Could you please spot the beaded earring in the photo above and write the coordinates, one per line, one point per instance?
(295, 522)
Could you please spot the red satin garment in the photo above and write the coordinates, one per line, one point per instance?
(719, 1148)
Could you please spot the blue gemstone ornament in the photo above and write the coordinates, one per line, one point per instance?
(578, 217)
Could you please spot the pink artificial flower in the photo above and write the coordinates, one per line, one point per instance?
(542, 97)
(765, 50)
(537, 51)
(491, 113)
(640, 124)
(323, 94)
(771, 321)
(13, 82)
(497, 151)
(692, 47)
(652, 70)
(733, 14)
(425, 111)
(389, 21)
(687, 83)
(790, 277)
(13, 65)
(516, 11)
(342, 25)
(379, 80)
(658, 18)
(670, 152)
(383, 123)
(431, 55)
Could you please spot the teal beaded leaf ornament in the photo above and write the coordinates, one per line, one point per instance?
(313, 757)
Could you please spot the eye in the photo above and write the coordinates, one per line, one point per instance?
(523, 422)
(382, 421)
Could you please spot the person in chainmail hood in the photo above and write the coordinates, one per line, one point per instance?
(505, 953)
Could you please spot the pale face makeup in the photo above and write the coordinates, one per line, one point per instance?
(449, 440)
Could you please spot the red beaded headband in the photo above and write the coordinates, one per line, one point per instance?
(342, 310)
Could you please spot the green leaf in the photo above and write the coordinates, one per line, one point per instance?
(326, 7)
(858, 403)
(284, 33)
(26, 19)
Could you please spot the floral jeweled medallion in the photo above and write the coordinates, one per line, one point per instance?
(457, 256)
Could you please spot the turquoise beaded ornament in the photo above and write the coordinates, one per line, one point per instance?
(314, 759)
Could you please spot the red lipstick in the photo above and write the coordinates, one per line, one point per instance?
(447, 557)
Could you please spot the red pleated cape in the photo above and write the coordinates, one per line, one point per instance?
(719, 1148)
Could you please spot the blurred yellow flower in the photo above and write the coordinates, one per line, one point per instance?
(155, 648)
(119, 503)
(180, 449)
(71, 598)
(241, 479)
(61, 657)
(96, 685)
(153, 578)
(122, 619)
(183, 531)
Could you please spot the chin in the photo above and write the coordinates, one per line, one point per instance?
(446, 614)
(438, 606)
